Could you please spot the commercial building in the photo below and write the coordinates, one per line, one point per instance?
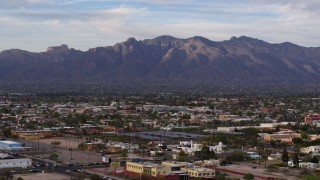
(282, 136)
(10, 146)
(200, 172)
(35, 134)
(166, 170)
(310, 149)
(311, 118)
(15, 163)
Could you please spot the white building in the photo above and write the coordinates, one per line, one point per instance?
(15, 163)
(10, 146)
(253, 155)
(310, 149)
(217, 148)
(128, 146)
(189, 147)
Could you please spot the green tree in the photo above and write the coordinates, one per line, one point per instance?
(95, 177)
(236, 156)
(7, 175)
(295, 159)
(285, 155)
(316, 177)
(54, 157)
(124, 154)
(220, 177)
(205, 153)
(314, 159)
(82, 146)
(55, 143)
(182, 156)
(248, 176)
(78, 176)
(7, 133)
(304, 135)
(297, 140)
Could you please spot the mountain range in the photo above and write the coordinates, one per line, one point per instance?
(167, 59)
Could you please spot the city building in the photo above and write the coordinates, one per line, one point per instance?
(15, 163)
(10, 146)
(311, 118)
(200, 172)
(217, 148)
(282, 136)
(310, 149)
(166, 170)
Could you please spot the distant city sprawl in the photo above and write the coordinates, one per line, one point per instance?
(163, 136)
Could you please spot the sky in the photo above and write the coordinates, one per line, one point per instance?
(34, 25)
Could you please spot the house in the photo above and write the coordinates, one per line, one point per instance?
(310, 149)
(309, 119)
(217, 148)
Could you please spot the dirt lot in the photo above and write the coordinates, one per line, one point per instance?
(43, 176)
(78, 156)
(65, 142)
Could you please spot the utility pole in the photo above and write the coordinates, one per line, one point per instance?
(89, 158)
(38, 139)
(70, 149)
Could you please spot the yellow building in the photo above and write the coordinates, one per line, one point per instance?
(155, 170)
(35, 134)
(282, 137)
(200, 172)
(135, 167)
(148, 168)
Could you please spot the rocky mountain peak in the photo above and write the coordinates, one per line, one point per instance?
(58, 49)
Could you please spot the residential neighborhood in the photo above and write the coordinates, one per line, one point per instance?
(164, 137)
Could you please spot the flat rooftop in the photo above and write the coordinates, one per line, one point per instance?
(9, 142)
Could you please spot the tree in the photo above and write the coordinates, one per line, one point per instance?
(182, 156)
(95, 177)
(297, 140)
(205, 153)
(314, 159)
(78, 176)
(8, 175)
(124, 154)
(285, 155)
(82, 146)
(236, 156)
(248, 176)
(54, 157)
(7, 133)
(55, 143)
(304, 135)
(295, 159)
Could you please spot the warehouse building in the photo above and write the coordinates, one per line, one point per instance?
(10, 146)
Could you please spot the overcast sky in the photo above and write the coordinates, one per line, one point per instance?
(35, 25)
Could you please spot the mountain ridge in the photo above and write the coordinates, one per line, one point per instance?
(167, 59)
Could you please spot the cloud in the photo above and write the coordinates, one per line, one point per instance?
(88, 23)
